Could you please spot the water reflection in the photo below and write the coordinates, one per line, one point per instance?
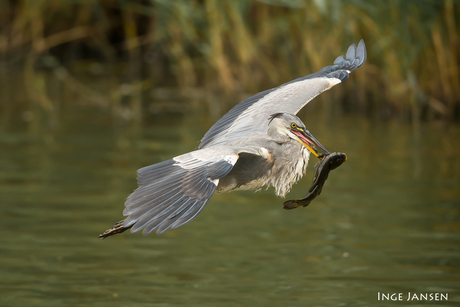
(387, 221)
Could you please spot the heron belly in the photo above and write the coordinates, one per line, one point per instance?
(253, 172)
(233, 185)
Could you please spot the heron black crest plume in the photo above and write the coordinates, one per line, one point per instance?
(273, 116)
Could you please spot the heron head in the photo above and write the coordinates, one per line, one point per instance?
(288, 125)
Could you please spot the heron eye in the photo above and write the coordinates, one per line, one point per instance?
(293, 125)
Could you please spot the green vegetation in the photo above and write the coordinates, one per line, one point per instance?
(235, 48)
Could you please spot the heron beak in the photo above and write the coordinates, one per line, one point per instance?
(310, 142)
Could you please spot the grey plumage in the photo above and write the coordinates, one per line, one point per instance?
(289, 97)
(176, 190)
(259, 143)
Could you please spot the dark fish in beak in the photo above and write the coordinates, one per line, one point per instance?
(327, 164)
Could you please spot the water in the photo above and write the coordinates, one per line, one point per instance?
(388, 219)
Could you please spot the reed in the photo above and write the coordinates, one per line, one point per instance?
(238, 47)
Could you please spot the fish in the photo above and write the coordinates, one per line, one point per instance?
(328, 162)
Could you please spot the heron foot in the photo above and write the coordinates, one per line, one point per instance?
(117, 228)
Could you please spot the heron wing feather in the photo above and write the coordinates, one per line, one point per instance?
(253, 113)
(173, 192)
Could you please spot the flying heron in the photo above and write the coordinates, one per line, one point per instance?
(259, 143)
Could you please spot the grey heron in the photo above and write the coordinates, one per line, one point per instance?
(259, 143)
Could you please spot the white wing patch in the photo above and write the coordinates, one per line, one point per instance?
(203, 156)
(333, 82)
(264, 153)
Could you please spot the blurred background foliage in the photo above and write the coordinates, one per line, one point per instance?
(145, 55)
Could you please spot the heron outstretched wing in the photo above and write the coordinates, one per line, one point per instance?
(253, 113)
(173, 192)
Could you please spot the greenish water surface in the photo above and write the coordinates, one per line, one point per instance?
(387, 221)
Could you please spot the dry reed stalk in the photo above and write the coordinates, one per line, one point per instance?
(247, 46)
